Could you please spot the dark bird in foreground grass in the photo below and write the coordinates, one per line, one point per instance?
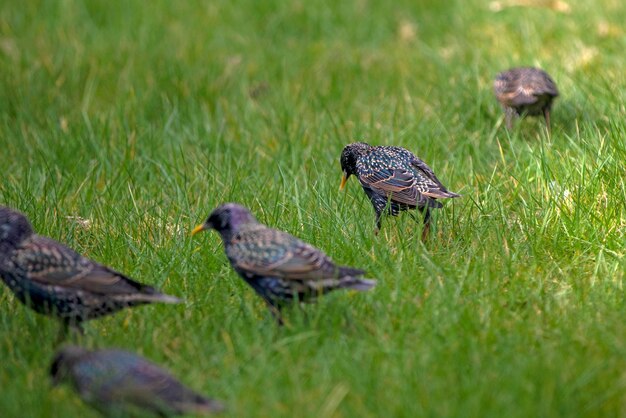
(394, 179)
(55, 280)
(118, 383)
(525, 91)
(279, 267)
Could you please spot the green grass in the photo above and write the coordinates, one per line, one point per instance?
(142, 119)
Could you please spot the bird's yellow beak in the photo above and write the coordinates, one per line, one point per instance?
(197, 229)
(344, 179)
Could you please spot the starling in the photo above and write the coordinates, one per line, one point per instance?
(117, 382)
(394, 179)
(525, 91)
(279, 267)
(55, 280)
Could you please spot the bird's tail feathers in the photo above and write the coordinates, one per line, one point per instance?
(441, 194)
(350, 271)
(360, 285)
(201, 406)
(163, 298)
(448, 193)
(152, 298)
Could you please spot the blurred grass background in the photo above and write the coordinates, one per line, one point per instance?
(124, 123)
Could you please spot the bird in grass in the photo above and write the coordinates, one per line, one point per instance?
(278, 266)
(55, 280)
(119, 383)
(525, 91)
(394, 179)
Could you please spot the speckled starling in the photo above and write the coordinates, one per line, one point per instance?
(279, 267)
(394, 179)
(55, 280)
(118, 383)
(525, 91)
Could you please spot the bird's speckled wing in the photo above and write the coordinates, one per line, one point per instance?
(399, 175)
(269, 252)
(510, 91)
(50, 263)
(538, 82)
(435, 188)
(522, 86)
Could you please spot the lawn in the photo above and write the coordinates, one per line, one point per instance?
(124, 123)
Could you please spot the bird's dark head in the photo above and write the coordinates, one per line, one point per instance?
(14, 227)
(227, 219)
(63, 362)
(349, 157)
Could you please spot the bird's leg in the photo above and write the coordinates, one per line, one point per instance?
(378, 223)
(426, 226)
(303, 311)
(68, 329)
(425, 231)
(78, 329)
(546, 116)
(276, 313)
(509, 114)
(63, 332)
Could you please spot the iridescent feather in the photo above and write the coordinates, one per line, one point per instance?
(278, 266)
(394, 179)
